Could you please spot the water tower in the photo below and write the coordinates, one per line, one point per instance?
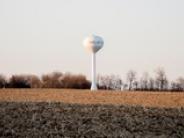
(93, 44)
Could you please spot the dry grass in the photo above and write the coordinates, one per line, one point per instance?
(150, 99)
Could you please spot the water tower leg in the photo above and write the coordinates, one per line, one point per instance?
(93, 85)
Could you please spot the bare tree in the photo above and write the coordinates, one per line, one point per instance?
(161, 79)
(178, 85)
(116, 82)
(101, 82)
(34, 81)
(175, 86)
(2, 81)
(151, 84)
(136, 85)
(144, 81)
(131, 78)
(109, 82)
(124, 86)
(180, 81)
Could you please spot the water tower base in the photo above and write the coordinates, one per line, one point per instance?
(93, 88)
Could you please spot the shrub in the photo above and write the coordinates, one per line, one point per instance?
(75, 81)
(19, 81)
(59, 80)
(33, 81)
(2, 81)
(52, 80)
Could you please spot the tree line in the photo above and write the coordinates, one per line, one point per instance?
(159, 82)
(146, 82)
(51, 80)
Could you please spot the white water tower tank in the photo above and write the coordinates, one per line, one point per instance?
(93, 44)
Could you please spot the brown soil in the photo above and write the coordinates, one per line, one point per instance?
(150, 99)
(58, 120)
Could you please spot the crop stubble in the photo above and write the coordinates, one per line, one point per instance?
(150, 99)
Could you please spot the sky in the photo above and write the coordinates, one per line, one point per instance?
(42, 36)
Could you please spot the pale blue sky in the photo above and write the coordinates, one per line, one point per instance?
(40, 36)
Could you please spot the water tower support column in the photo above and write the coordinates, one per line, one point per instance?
(93, 85)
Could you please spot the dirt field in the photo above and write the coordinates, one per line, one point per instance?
(58, 120)
(150, 99)
(81, 113)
